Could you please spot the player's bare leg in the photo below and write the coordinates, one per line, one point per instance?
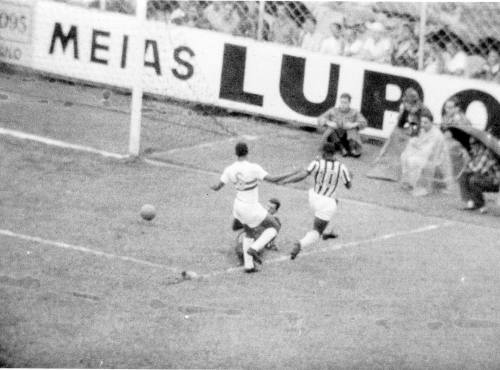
(310, 238)
(329, 233)
(248, 260)
(268, 235)
(271, 228)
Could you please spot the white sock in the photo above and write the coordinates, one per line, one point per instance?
(247, 259)
(264, 239)
(310, 238)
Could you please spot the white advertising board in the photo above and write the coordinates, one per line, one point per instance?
(16, 29)
(241, 74)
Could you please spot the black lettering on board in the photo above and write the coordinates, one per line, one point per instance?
(233, 77)
(58, 34)
(96, 46)
(156, 58)
(188, 66)
(292, 87)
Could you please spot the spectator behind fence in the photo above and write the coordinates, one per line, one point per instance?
(455, 59)
(491, 69)
(248, 13)
(325, 14)
(310, 38)
(433, 59)
(343, 126)
(222, 17)
(405, 51)
(196, 17)
(377, 47)
(425, 162)
(474, 65)
(353, 43)
(283, 29)
(156, 12)
(190, 15)
(333, 44)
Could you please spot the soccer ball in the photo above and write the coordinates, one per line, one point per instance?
(189, 275)
(148, 212)
(106, 94)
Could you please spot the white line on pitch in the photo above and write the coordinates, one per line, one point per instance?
(180, 167)
(334, 247)
(207, 145)
(78, 248)
(154, 162)
(63, 144)
(58, 143)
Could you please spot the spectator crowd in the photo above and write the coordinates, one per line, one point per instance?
(340, 29)
(378, 37)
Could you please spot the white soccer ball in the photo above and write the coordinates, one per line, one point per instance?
(148, 212)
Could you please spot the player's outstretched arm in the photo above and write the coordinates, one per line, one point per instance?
(278, 178)
(218, 186)
(296, 177)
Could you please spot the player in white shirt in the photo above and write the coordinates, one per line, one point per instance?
(246, 176)
(327, 172)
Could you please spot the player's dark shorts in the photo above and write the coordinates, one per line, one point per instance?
(237, 225)
(268, 222)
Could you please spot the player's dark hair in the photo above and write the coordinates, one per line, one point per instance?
(427, 113)
(346, 95)
(455, 101)
(328, 148)
(241, 149)
(276, 202)
(411, 96)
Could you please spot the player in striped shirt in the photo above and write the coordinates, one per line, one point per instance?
(246, 176)
(327, 172)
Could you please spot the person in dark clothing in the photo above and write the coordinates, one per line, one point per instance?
(410, 112)
(482, 174)
(343, 126)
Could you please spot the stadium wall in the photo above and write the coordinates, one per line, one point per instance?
(272, 80)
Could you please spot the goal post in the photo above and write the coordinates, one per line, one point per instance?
(137, 88)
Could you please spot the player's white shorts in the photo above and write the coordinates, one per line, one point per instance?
(323, 207)
(250, 214)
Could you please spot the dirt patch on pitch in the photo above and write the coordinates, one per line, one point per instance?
(476, 324)
(27, 282)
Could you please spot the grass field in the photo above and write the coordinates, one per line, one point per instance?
(84, 282)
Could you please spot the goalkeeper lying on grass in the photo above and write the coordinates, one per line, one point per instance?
(272, 207)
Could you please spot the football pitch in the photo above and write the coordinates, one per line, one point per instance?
(86, 283)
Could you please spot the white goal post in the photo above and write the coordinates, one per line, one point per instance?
(137, 90)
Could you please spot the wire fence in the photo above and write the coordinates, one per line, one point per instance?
(461, 39)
